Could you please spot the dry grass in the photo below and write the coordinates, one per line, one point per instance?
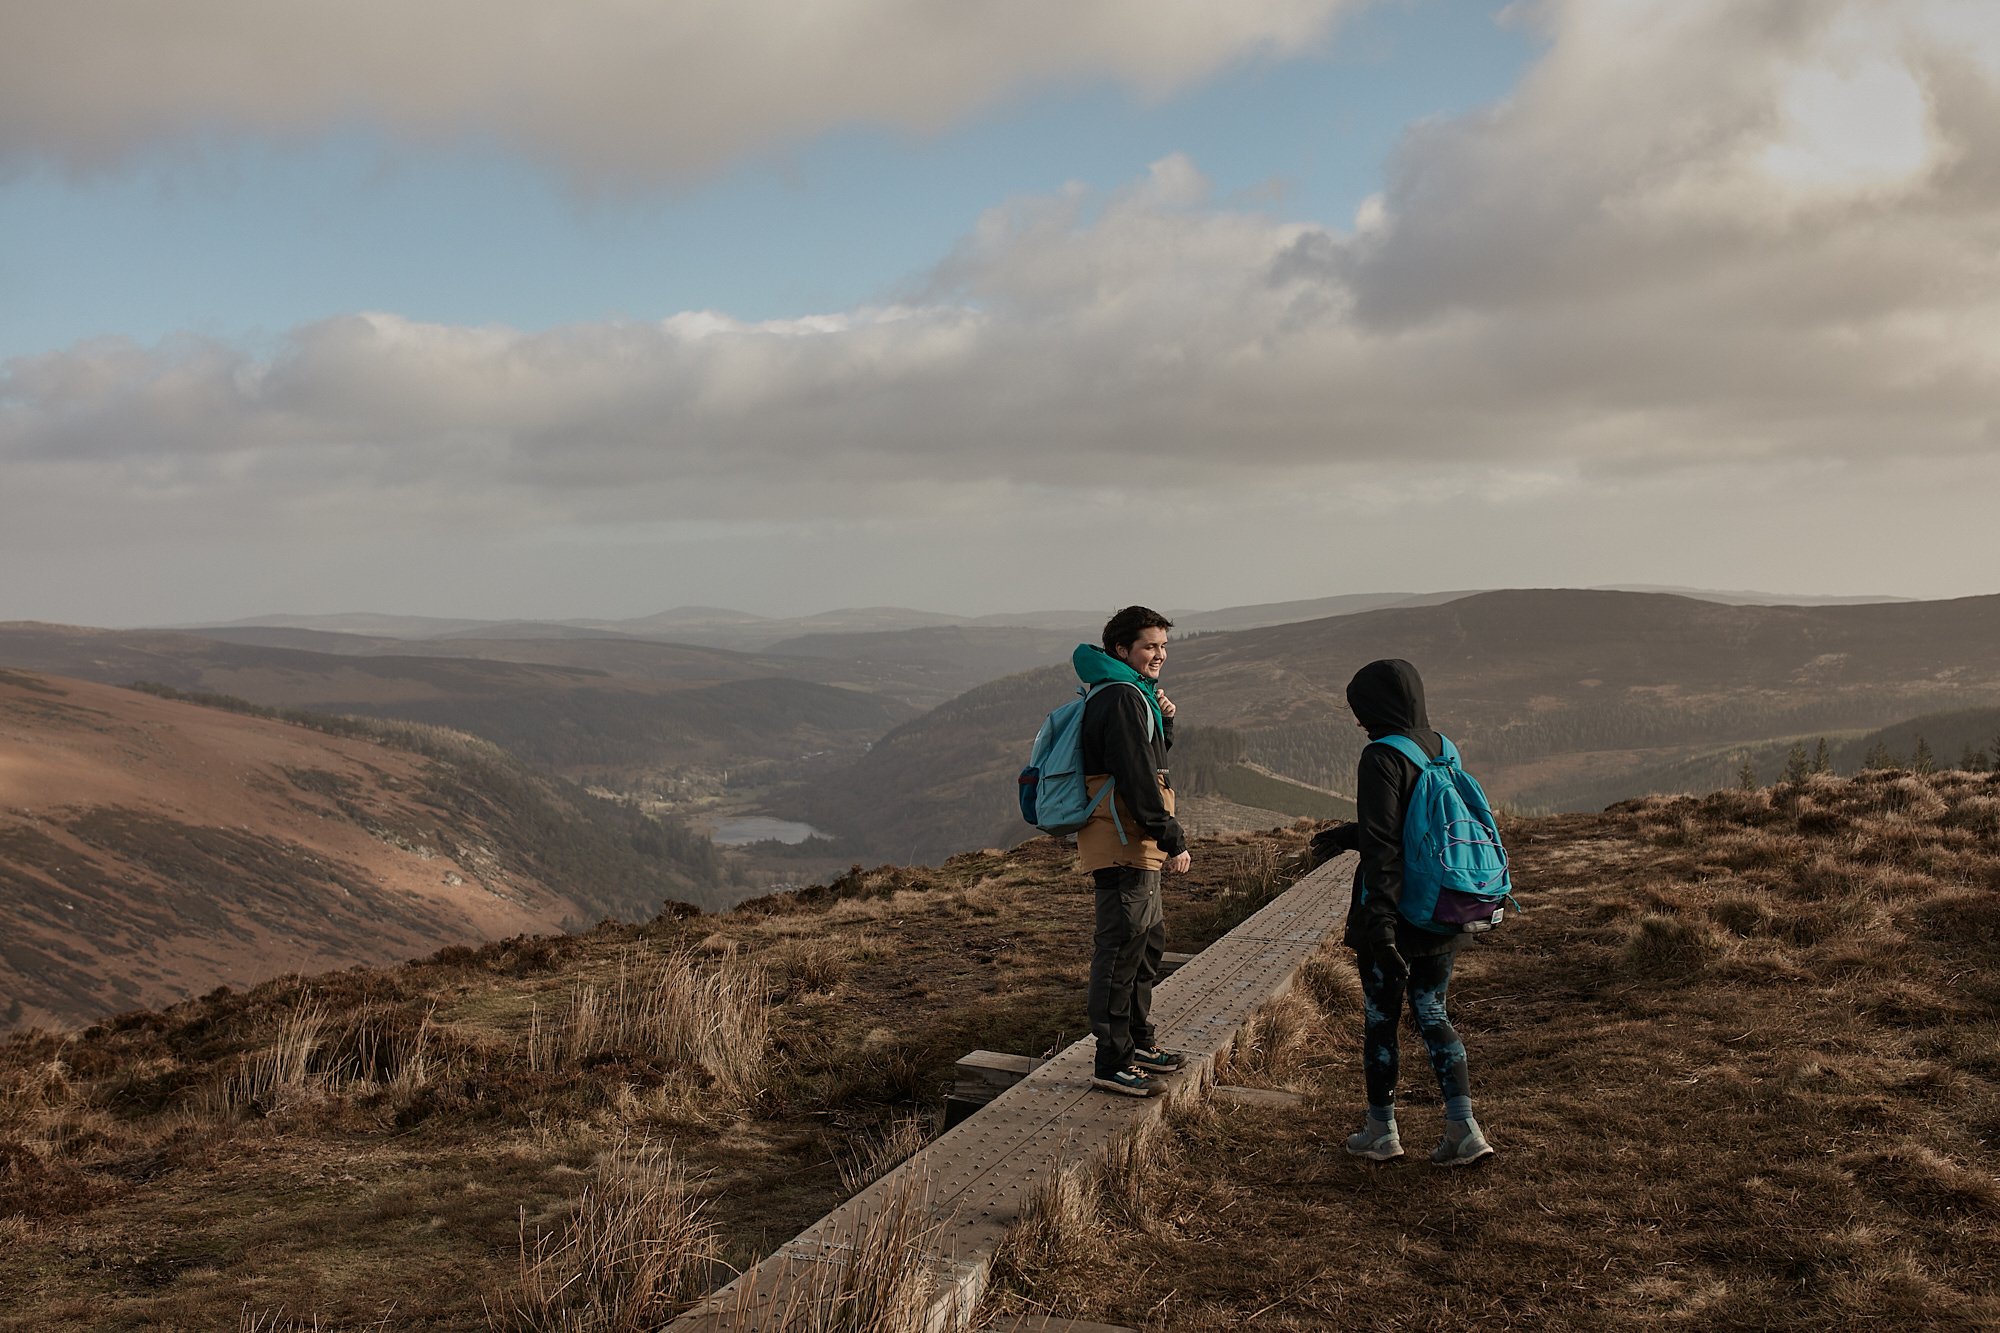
(876, 1153)
(268, 1076)
(372, 1138)
(635, 1248)
(879, 1279)
(814, 963)
(1276, 1044)
(706, 1018)
(1740, 1062)
(1061, 1224)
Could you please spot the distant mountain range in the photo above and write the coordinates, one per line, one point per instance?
(721, 627)
(605, 709)
(898, 731)
(1557, 696)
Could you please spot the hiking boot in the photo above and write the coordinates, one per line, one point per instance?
(1159, 1060)
(1376, 1141)
(1462, 1144)
(1131, 1081)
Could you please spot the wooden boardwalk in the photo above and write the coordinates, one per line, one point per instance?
(956, 1198)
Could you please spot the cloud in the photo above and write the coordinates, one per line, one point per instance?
(1659, 266)
(608, 92)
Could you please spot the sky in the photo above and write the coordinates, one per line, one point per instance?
(504, 309)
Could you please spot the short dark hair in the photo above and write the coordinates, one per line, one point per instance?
(1123, 629)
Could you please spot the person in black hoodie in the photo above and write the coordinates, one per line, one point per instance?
(1394, 957)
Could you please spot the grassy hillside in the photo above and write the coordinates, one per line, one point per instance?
(1558, 699)
(1966, 739)
(379, 1145)
(1739, 1059)
(152, 848)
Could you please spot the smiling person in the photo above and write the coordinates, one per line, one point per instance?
(1128, 842)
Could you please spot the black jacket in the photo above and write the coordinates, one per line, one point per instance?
(1387, 698)
(1114, 742)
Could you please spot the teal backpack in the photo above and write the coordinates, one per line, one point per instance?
(1455, 877)
(1055, 797)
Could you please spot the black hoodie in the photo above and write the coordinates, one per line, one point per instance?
(1387, 698)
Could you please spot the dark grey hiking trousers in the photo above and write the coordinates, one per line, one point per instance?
(1124, 963)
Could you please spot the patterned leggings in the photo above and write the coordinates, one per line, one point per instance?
(1381, 1003)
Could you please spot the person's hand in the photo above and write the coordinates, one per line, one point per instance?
(1166, 704)
(1331, 842)
(1382, 945)
(1178, 865)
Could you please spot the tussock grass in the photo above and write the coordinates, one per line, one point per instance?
(1274, 1044)
(1060, 1224)
(878, 1279)
(813, 963)
(873, 1155)
(268, 1076)
(633, 1250)
(714, 1020)
(1671, 947)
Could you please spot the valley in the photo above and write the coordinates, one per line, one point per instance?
(892, 737)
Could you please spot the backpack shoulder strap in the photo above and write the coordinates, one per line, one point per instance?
(1412, 751)
(1105, 684)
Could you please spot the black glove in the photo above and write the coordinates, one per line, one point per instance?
(1331, 842)
(1382, 949)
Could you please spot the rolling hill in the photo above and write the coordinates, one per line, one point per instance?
(606, 709)
(1557, 696)
(151, 849)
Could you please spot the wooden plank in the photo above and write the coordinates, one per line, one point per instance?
(993, 1069)
(972, 1183)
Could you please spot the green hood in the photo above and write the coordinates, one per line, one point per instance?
(1094, 666)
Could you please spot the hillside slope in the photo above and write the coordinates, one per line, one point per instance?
(1739, 1062)
(152, 849)
(375, 1146)
(1548, 692)
(1738, 1056)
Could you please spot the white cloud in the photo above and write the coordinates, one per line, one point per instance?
(1613, 294)
(608, 91)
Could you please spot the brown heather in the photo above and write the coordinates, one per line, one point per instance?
(559, 1132)
(1740, 1058)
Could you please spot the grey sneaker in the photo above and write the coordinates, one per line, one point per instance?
(1462, 1144)
(1376, 1141)
(1130, 1081)
(1158, 1060)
